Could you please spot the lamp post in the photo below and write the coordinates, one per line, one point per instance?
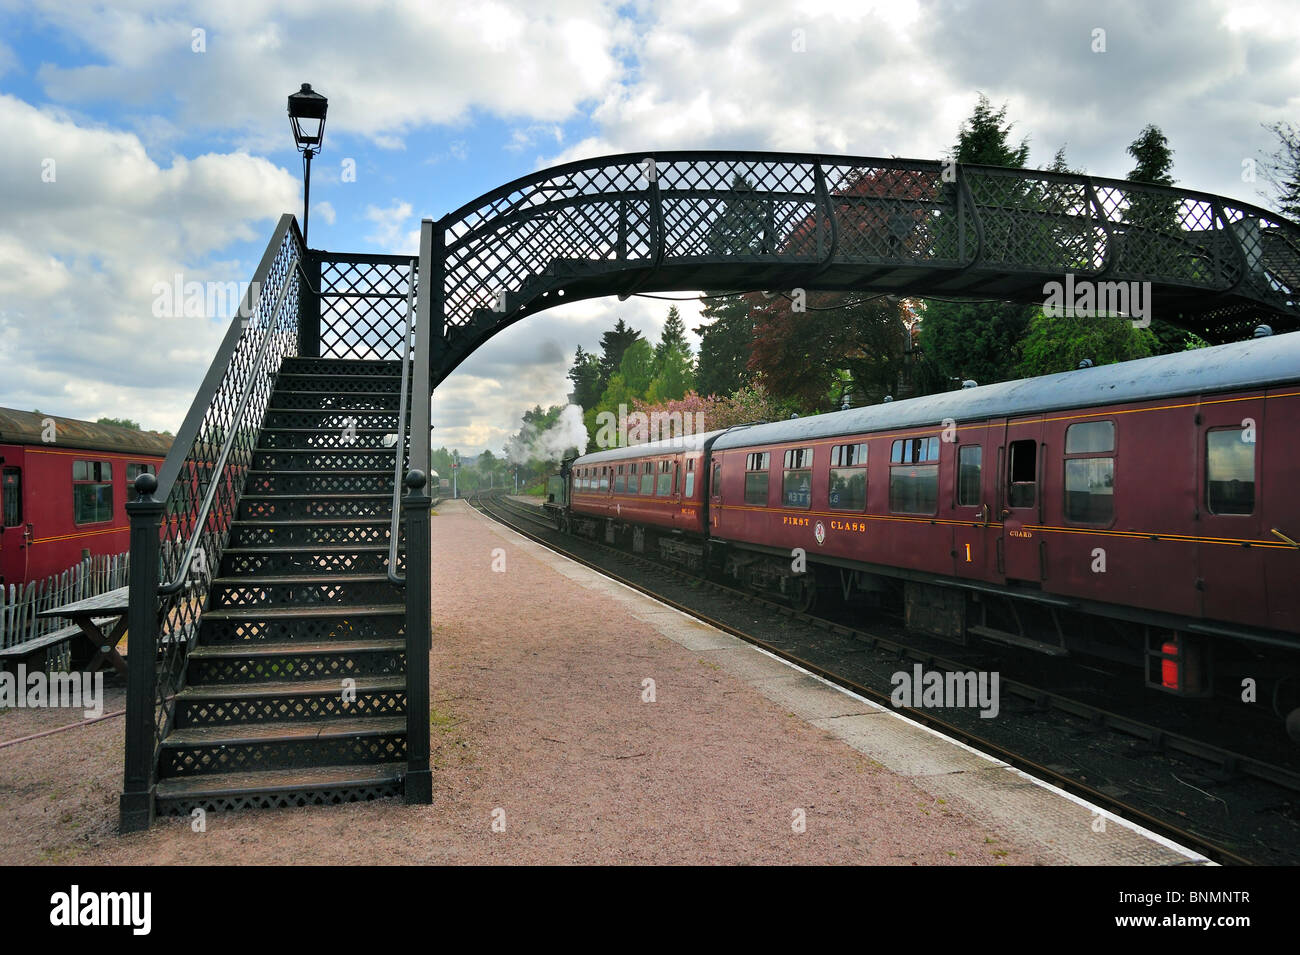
(307, 114)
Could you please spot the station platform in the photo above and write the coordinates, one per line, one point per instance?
(546, 662)
(575, 720)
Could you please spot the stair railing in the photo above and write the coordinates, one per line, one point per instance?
(181, 519)
(418, 783)
(403, 431)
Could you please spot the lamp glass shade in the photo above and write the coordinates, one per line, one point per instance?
(307, 110)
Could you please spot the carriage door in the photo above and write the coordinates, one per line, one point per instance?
(1020, 495)
(1231, 575)
(11, 536)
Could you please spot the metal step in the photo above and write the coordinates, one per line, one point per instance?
(279, 788)
(307, 591)
(206, 750)
(311, 439)
(307, 559)
(259, 507)
(290, 700)
(333, 532)
(323, 459)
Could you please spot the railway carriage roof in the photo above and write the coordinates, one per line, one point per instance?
(27, 427)
(687, 442)
(1256, 363)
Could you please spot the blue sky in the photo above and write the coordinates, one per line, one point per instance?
(172, 160)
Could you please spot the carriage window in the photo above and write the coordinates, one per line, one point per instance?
(848, 477)
(689, 489)
(604, 477)
(717, 481)
(647, 478)
(133, 471)
(11, 488)
(620, 479)
(1090, 481)
(796, 481)
(664, 485)
(914, 451)
(1229, 472)
(914, 489)
(1022, 470)
(92, 491)
(969, 461)
(756, 466)
(1090, 437)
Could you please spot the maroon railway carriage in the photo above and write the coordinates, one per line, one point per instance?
(64, 485)
(1145, 511)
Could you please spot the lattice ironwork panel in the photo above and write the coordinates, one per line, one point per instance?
(333, 368)
(342, 438)
(253, 534)
(317, 384)
(332, 420)
(301, 459)
(265, 709)
(331, 796)
(253, 757)
(308, 561)
(363, 308)
(318, 628)
(326, 590)
(259, 669)
(320, 482)
(337, 401)
(288, 508)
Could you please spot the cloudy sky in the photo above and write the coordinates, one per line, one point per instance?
(144, 141)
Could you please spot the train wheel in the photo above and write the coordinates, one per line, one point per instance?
(805, 594)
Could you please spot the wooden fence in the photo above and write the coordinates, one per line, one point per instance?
(20, 603)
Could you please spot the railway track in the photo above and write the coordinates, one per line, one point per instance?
(1223, 763)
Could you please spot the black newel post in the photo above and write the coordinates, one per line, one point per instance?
(136, 804)
(415, 513)
(309, 307)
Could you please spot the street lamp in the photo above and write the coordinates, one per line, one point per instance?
(307, 114)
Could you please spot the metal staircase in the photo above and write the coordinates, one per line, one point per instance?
(279, 623)
(295, 693)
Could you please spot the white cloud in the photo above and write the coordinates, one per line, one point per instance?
(325, 210)
(389, 232)
(538, 61)
(79, 256)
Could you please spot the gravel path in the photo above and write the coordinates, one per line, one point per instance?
(540, 729)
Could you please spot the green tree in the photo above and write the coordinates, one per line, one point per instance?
(1282, 170)
(674, 376)
(637, 367)
(613, 344)
(1155, 216)
(120, 422)
(972, 339)
(674, 336)
(726, 343)
(585, 375)
(726, 340)
(1055, 344)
